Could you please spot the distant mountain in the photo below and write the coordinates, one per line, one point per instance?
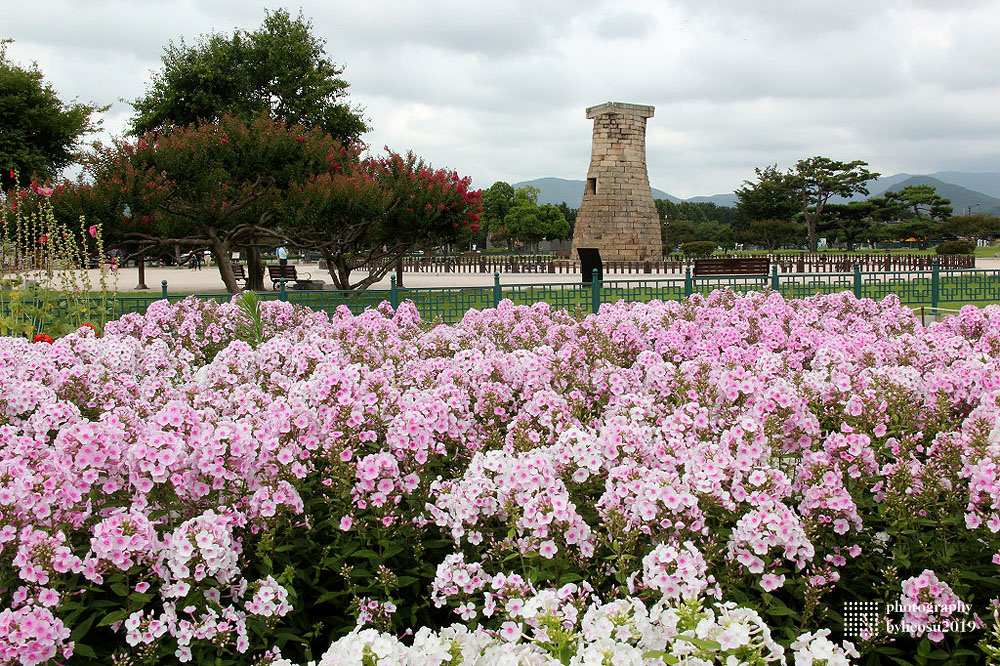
(718, 199)
(978, 191)
(557, 190)
(987, 183)
(963, 200)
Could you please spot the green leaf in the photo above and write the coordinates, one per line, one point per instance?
(81, 650)
(112, 617)
(704, 643)
(81, 629)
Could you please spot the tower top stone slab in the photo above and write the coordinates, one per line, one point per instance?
(641, 110)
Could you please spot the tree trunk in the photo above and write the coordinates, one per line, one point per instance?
(221, 252)
(813, 235)
(177, 254)
(255, 268)
(334, 265)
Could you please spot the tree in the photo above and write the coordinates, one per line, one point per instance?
(922, 201)
(530, 223)
(211, 185)
(372, 212)
(514, 216)
(677, 233)
(923, 210)
(772, 197)
(773, 234)
(669, 211)
(498, 199)
(570, 215)
(39, 133)
(715, 213)
(852, 221)
(815, 180)
(280, 69)
(973, 227)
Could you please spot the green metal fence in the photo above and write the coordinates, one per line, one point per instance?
(917, 288)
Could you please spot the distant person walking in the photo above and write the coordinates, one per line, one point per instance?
(196, 260)
(282, 254)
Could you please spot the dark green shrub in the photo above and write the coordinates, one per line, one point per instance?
(698, 248)
(955, 247)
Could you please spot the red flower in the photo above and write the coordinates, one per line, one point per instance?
(90, 326)
(41, 337)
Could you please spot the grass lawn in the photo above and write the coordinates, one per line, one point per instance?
(989, 252)
(451, 303)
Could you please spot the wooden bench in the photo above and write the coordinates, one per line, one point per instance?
(275, 273)
(757, 266)
(240, 273)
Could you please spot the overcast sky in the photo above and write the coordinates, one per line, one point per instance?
(498, 89)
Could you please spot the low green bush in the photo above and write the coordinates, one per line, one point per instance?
(698, 248)
(955, 247)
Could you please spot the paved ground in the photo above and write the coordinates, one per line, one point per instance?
(207, 280)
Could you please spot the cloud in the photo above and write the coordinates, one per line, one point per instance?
(625, 25)
(498, 90)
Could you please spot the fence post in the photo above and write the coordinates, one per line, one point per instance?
(163, 288)
(935, 284)
(775, 282)
(595, 292)
(688, 282)
(393, 293)
(282, 294)
(497, 294)
(857, 280)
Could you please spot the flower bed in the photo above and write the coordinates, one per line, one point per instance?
(699, 482)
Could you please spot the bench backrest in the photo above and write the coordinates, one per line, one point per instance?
(239, 272)
(740, 266)
(278, 272)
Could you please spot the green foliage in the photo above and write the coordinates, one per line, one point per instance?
(39, 133)
(252, 328)
(955, 247)
(813, 181)
(770, 198)
(773, 234)
(45, 287)
(514, 216)
(972, 226)
(920, 202)
(851, 222)
(698, 248)
(677, 233)
(530, 223)
(280, 70)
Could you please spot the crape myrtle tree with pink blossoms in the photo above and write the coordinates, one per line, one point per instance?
(235, 185)
(210, 185)
(654, 484)
(370, 212)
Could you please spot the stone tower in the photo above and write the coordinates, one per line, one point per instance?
(618, 215)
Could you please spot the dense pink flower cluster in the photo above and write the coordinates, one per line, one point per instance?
(31, 634)
(927, 602)
(656, 443)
